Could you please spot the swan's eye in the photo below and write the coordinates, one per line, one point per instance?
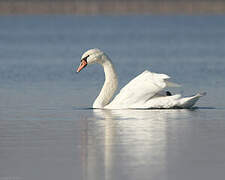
(85, 58)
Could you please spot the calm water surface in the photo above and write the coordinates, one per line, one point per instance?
(47, 129)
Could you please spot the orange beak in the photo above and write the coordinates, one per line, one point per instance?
(82, 65)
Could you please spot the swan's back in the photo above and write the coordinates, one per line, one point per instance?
(139, 90)
(147, 91)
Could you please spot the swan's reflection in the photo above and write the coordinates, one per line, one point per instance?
(131, 140)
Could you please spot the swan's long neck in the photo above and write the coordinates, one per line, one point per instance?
(110, 84)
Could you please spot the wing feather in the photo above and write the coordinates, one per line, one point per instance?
(140, 89)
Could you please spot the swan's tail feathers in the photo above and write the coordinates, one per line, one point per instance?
(188, 102)
(172, 84)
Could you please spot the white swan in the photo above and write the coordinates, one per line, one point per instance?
(143, 92)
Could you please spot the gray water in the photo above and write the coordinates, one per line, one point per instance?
(47, 129)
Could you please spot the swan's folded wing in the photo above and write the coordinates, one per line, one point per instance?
(140, 89)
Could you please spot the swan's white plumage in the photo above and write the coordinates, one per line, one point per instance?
(139, 91)
(147, 91)
(144, 91)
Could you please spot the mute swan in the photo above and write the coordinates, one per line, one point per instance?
(143, 92)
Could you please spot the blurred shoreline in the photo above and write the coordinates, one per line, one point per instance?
(111, 7)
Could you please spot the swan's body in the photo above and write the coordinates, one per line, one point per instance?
(143, 92)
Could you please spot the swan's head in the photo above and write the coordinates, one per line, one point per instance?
(89, 57)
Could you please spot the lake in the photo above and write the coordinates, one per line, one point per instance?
(48, 129)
